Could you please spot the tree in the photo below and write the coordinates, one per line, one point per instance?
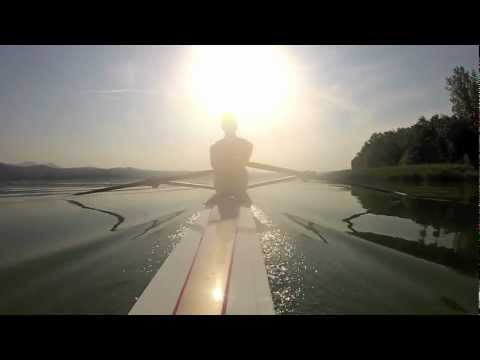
(463, 88)
(438, 140)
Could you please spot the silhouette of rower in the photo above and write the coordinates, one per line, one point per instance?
(229, 157)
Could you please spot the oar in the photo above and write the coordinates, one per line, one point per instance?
(301, 174)
(190, 185)
(274, 181)
(305, 175)
(153, 182)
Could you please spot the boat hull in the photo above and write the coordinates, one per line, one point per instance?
(216, 269)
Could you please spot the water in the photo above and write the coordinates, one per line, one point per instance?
(328, 249)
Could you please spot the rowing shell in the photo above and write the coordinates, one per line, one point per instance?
(217, 268)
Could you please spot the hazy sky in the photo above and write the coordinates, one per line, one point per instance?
(306, 107)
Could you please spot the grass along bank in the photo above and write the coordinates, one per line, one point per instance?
(453, 182)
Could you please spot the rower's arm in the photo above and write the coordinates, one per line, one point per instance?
(248, 154)
(213, 160)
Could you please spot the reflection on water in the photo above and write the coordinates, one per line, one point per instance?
(451, 242)
(229, 205)
(61, 257)
(309, 225)
(61, 274)
(119, 217)
(285, 268)
(360, 251)
(158, 222)
(328, 250)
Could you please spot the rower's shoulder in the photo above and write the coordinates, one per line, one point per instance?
(217, 144)
(228, 142)
(245, 142)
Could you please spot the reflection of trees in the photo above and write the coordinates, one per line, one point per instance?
(423, 235)
(462, 261)
(447, 216)
(450, 217)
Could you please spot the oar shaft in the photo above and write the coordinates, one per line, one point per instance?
(155, 181)
(259, 166)
(111, 188)
(274, 181)
(190, 185)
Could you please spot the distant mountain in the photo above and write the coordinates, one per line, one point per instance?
(24, 171)
(33, 163)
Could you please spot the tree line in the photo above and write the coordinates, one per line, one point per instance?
(440, 139)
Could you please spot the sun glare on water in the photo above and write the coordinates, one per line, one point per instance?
(252, 82)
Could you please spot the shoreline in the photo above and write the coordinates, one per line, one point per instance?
(443, 182)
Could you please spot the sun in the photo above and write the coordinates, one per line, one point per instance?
(252, 82)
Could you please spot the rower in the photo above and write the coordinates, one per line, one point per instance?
(229, 158)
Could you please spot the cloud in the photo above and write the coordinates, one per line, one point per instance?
(337, 101)
(124, 91)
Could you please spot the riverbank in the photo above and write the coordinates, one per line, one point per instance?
(452, 182)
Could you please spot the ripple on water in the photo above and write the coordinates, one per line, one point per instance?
(160, 250)
(284, 264)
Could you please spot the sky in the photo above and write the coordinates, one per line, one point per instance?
(159, 107)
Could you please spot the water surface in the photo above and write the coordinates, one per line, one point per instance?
(328, 249)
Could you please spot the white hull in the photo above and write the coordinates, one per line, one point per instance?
(217, 268)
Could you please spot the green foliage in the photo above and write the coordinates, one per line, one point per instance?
(457, 182)
(463, 88)
(441, 139)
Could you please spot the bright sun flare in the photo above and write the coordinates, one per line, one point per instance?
(252, 82)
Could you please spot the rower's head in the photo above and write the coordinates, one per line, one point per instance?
(229, 124)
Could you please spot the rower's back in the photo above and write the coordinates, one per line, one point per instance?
(229, 158)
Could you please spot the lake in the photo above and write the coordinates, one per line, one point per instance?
(328, 249)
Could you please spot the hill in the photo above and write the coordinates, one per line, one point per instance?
(11, 172)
